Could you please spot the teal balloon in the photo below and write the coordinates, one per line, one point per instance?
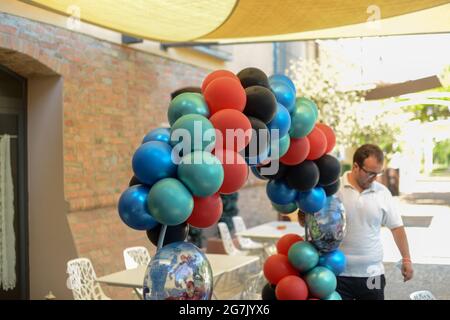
(303, 256)
(308, 102)
(281, 146)
(321, 282)
(170, 202)
(187, 103)
(334, 296)
(285, 208)
(303, 120)
(201, 172)
(198, 131)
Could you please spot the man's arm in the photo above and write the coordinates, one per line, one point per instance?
(401, 241)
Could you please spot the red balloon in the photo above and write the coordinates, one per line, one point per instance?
(207, 211)
(329, 134)
(215, 75)
(291, 288)
(235, 124)
(286, 242)
(297, 152)
(235, 170)
(277, 267)
(225, 93)
(318, 144)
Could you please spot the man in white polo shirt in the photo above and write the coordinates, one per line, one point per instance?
(369, 206)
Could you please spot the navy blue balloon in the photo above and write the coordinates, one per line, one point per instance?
(279, 192)
(312, 200)
(257, 174)
(281, 121)
(284, 94)
(152, 162)
(282, 78)
(334, 260)
(133, 208)
(158, 134)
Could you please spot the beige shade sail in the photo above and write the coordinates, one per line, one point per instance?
(255, 20)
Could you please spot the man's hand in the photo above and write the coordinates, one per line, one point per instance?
(407, 271)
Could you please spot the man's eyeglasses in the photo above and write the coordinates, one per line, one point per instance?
(371, 174)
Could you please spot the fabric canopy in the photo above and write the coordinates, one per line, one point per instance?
(225, 21)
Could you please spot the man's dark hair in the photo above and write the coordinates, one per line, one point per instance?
(366, 151)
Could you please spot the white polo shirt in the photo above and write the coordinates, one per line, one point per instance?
(366, 212)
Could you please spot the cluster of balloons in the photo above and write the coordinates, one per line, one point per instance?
(218, 131)
(299, 271)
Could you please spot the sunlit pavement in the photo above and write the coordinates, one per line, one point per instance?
(429, 246)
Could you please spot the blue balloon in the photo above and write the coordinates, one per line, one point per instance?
(284, 94)
(158, 134)
(282, 78)
(201, 172)
(257, 174)
(194, 132)
(187, 103)
(334, 260)
(312, 200)
(133, 208)
(178, 271)
(281, 121)
(152, 161)
(279, 192)
(170, 202)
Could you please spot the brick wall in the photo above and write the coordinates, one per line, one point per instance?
(112, 96)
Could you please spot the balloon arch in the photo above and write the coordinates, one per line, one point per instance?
(217, 132)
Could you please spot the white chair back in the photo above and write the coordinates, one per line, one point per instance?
(239, 226)
(135, 257)
(228, 244)
(82, 280)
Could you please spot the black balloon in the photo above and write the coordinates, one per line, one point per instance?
(185, 89)
(261, 103)
(253, 77)
(281, 173)
(332, 188)
(303, 176)
(268, 292)
(329, 168)
(258, 148)
(134, 181)
(173, 234)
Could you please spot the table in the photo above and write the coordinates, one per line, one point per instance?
(220, 264)
(272, 231)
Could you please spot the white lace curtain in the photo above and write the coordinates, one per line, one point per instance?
(7, 236)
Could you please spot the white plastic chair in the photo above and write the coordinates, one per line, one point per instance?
(82, 280)
(245, 243)
(422, 295)
(253, 287)
(135, 257)
(227, 241)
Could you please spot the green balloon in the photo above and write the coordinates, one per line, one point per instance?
(310, 103)
(303, 120)
(198, 131)
(170, 202)
(201, 172)
(285, 208)
(334, 296)
(187, 103)
(321, 282)
(279, 147)
(303, 256)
